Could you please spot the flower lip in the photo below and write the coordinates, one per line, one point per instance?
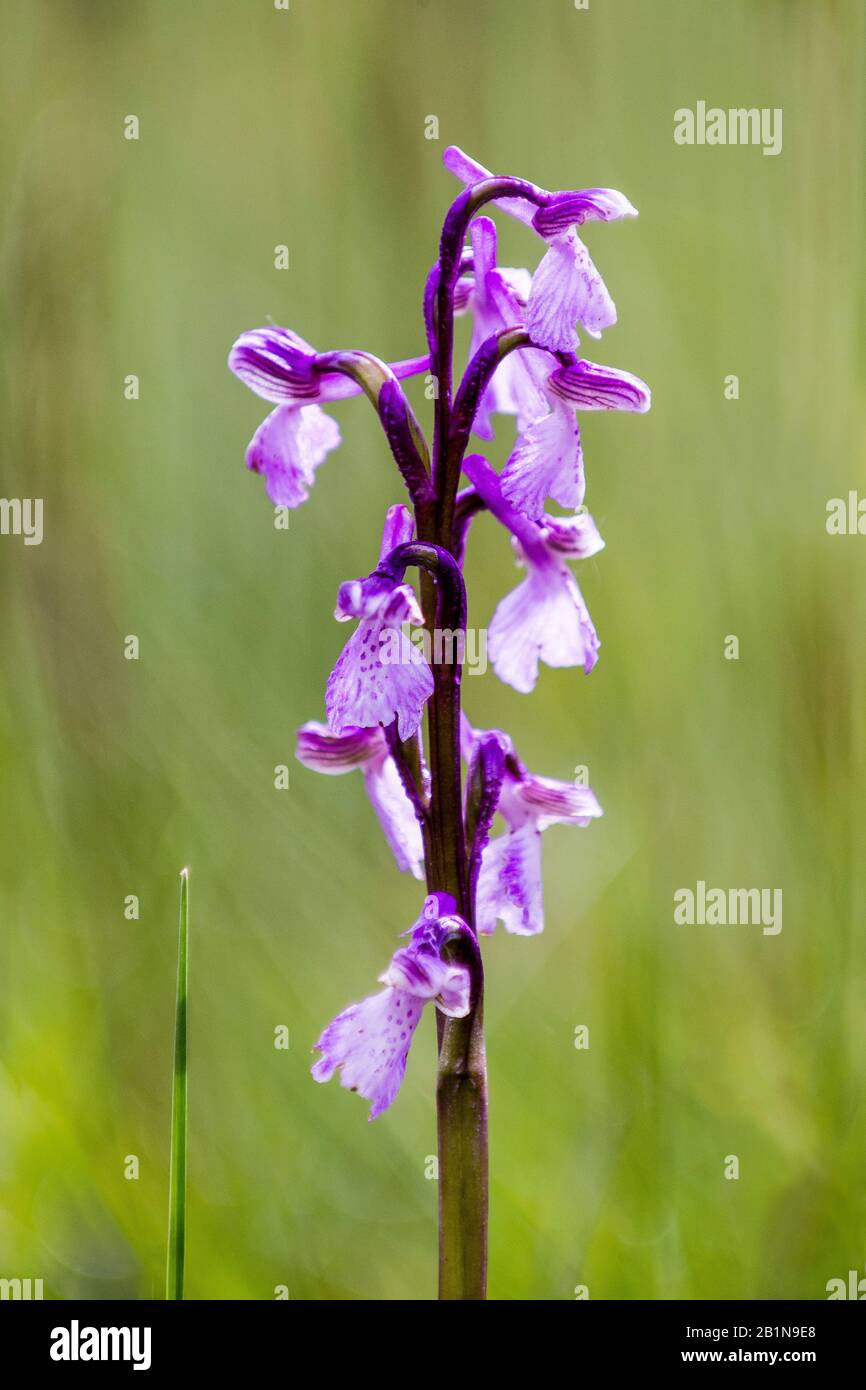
(380, 674)
(288, 447)
(547, 461)
(567, 289)
(571, 209)
(545, 619)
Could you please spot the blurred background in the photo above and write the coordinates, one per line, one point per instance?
(148, 257)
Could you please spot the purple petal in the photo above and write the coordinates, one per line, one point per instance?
(566, 210)
(498, 302)
(576, 537)
(410, 366)
(276, 364)
(377, 596)
(519, 382)
(396, 814)
(398, 530)
(543, 619)
(333, 754)
(491, 313)
(427, 977)
(470, 737)
(547, 462)
(551, 802)
(380, 676)
(482, 234)
(280, 367)
(288, 447)
(566, 290)
(463, 293)
(589, 386)
(362, 598)
(469, 171)
(509, 885)
(369, 1043)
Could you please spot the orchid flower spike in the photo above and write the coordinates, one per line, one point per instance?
(297, 436)
(366, 750)
(439, 825)
(566, 288)
(369, 1042)
(380, 675)
(509, 885)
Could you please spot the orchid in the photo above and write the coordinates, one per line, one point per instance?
(509, 887)
(369, 1042)
(566, 288)
(297, 436)
(366, 750)
(370, 685)
(394, 707)
(545, 618)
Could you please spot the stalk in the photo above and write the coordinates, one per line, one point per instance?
(461, 1087)
(176, 1250)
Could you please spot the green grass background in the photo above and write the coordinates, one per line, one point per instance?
(148, 257)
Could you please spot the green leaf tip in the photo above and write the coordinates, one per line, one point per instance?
(174, 1267)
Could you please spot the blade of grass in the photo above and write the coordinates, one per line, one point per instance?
(177, 1169)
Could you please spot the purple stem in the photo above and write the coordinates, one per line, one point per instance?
(405, 436)
(451, 248)
(461, 1089)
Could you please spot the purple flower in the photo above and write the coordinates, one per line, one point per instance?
(509, 885)
(547, 460)
(296, 437)
(545, 617)
(497, 300)
(380, 675)
(367, 751)
(369, 1042)
(566, 288)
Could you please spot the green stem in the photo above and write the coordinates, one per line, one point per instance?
(177, 1170)
(461, 1112)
